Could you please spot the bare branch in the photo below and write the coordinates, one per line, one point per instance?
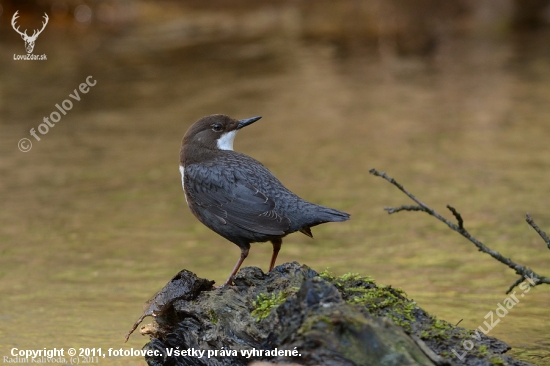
(458, 217)
(542, 234)
(524, 272)
(518, 281)
(392, 210)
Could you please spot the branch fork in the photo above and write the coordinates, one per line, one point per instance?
(524, 272)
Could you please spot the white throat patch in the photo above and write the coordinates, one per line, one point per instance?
(226, 141)
(182, 171)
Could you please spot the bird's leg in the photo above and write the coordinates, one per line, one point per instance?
(276, 247)
(244, 254)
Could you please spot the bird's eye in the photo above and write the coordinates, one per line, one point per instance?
(217, 127)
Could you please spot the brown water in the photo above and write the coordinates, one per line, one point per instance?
(93, 219)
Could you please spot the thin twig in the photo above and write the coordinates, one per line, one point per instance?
(542, 234)
(457, 216)
(392, 210)
(524, 272)
(518, 281)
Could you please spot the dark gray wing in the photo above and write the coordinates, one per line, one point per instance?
(219, 193)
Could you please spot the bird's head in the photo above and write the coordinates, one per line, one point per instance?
(215, 132)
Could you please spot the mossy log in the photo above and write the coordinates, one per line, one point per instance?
(294, 315)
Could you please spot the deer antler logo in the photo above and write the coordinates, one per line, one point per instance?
(29, 40)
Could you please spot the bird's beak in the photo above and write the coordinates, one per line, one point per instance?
(247, 121)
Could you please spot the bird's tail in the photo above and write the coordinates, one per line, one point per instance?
(327, 214)
(310, 215)
(323, 214)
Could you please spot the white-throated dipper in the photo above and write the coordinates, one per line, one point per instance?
(236, 196)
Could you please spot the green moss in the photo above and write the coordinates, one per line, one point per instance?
(386, 301)
(378, 300)
(496, 360)
(265, 303)
(213, 316)
(345, 278)
(483, 350)
(393, 303)
(439, 330)
(312, 321)
(327, 275)
(357, 289)
(441, 324)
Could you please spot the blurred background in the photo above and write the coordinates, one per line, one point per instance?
(451, 98)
